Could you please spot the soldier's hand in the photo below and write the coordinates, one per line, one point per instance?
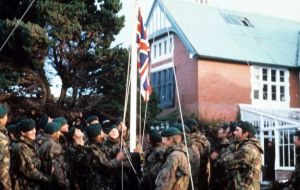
(214, 155)
(120, 156)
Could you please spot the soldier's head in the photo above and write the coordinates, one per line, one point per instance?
(171, 136)
(244, 130)
(76, 135)
(63, 123)
(222, 131)
(297, 139)
(93, 119)
(95, 133)
(192, 124)
(27, 128)
(154, 137)
(3, 115)
(53, 129)
(113, 132)
(13, 131)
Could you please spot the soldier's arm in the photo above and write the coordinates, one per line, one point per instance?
(27, 167)
(166, 176)
(4, 163)
(104, 162)
(239, 158)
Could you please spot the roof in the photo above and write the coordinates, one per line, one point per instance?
(230, 35)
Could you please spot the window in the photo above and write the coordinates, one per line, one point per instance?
(269, 84)
(236, 20)
(163, 84)
(286, 148)
(162, 49)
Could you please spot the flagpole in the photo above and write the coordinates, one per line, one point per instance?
(133, 89)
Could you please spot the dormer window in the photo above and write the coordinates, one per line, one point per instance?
(236, 20)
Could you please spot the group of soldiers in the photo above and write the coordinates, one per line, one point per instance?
(50, 154)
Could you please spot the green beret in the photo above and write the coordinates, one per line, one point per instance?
(246, 126)
(179, 126)
(26, 125)
(171, 131)
(233, 125)
(190, 122)
(43, 120)
(92, 118)
(3, 111)
(154, 136)
(12, 128)
(51, 128)
(71, 132)
(60, 121)
(113, 126)
(93, 130)
(225, 126)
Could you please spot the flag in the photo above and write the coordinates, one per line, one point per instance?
(143, 58)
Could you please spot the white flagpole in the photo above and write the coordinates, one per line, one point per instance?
(133, 89)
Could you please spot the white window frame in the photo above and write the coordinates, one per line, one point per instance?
(161, 43)
(257, 85)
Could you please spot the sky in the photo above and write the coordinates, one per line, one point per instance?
(286, 9)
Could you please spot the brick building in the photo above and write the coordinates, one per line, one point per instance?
(228, 64)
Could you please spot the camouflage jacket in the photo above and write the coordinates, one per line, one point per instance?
(26, 166)
(80, 169)
(174, 174)
(5, 181)
(194, 156)
(54, 163)
(245, 164)
(154, 158)
(104, 169)
(40, 138)
(204, 147)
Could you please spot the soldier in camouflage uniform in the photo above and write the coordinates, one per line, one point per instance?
(218, 176)
(174, 174)
(295, 179)
(204, 147)
(5, 181)
(194, 156)
(245, 162)
(64, 128)
(25, 163)
(41, 136)
(53, 158)
(153, 160)
(80, 169)
(104, 169)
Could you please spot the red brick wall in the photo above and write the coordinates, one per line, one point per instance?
(222, 86)
(294, 89)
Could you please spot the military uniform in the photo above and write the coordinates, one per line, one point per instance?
(153, 162)
(104, 169)
(80, 169)
(200, 141)
(54, 163)
(5, 181)
(245, 164)
(26, 166)
(175, 170)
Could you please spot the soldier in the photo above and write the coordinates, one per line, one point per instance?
(295, 179)
(153, 160)
(218, 177)
(64, 128)
(5, 181)
(174, 173)
(245, 162)
(41, 136)
(78, 160)
(53, 158)
(93, 119)
(204, 148)
(26, 164)
(104, 169)
(194, 156)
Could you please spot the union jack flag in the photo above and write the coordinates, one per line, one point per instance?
(143, 58)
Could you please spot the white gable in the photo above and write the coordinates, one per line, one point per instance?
(157, 20)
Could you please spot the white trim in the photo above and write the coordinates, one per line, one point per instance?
(162, 67)
(161, 55)
(257, 83)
